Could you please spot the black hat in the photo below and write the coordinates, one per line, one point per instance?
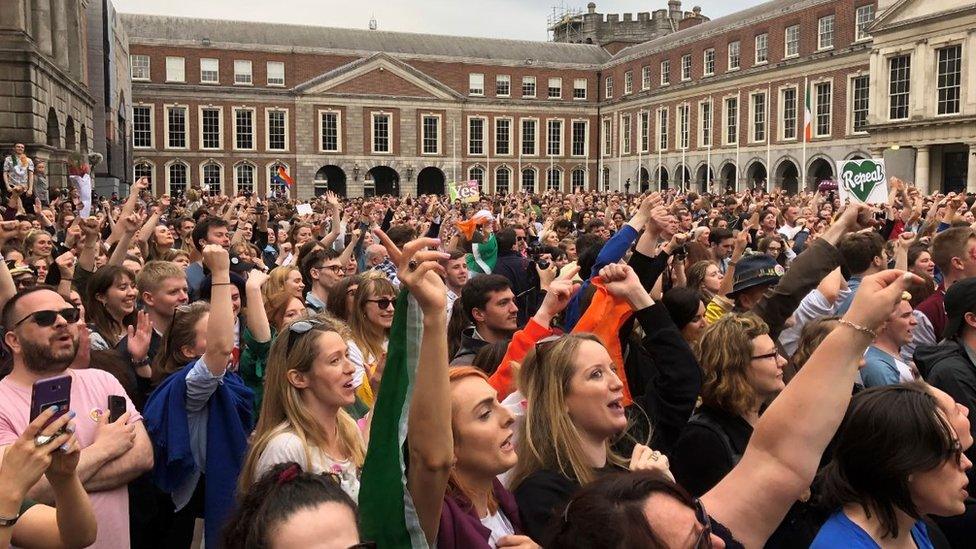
(755, 270)
(960, 299)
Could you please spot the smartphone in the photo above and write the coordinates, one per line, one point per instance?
(116, 407)
(55, 391)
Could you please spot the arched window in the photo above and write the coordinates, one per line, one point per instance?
(212, 178)
(503, 178)
(142, 169)
(244, 177)
(276, 185)
(554, 179)
(528, 180)
(477, 173)
(578, 179)
(177, 175)
(606, 179)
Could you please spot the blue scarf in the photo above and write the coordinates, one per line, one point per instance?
(230, 420)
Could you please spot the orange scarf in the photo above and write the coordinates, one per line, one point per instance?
(604, 318)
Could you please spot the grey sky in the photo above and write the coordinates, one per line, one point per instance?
(518, 19)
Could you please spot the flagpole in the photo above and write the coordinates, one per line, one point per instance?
(708, 154)
(684, 149)
(519, 186)
(599, 176)
(738, 135)
(769, 137)
(454, 165)
(620, 160)
(488, 135)
(806, 110)
(640, 150)
(659, 159)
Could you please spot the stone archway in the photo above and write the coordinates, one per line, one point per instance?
(682, 177)
(430, 180)
(704, 177)
(728, 177)
(385, 180)
(788, 176)
(663, 179)
(645, 180)
(70, 135)
(757, 176)
(821, 169)
(53, 129)
(330, 178)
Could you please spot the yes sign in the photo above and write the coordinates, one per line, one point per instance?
(862, 181)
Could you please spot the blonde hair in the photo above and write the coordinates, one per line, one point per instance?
(367, 336)
(725, 353)
(277, 279)
(282, 409)
(549, 439)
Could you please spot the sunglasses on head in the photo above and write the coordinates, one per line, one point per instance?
(48, 318)
(383, 302)
(296, 330)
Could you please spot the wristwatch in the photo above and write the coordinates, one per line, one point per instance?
(7, 522)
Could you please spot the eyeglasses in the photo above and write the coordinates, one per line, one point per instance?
(336, 269)
(773, 354)
(383, 302)
(296, 330)
(704, 540)
(48, 318)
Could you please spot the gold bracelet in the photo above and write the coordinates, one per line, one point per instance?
(859, 328)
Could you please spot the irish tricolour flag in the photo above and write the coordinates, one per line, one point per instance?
(807, 113)
(386, 510)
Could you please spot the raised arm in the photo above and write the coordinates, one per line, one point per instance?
(129, 207)
(255, 314)
(220, 327)
(430, 438)
(783, 454)
(129, 226)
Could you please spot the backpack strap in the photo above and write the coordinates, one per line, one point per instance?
(708, 422)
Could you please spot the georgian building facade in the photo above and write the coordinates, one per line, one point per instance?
(714, 103)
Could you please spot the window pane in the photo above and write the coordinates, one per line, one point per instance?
(177, 127)
(579, 88)
(789, 113)
(645, 123)
(899, 80)
(330, 131)
(825, 34)
(686, 67)
(209, 71)
(762, 48)
(139, 66)
(792, 40)
(175, 69)
(276, 130)
(555, 88)
(143, 169)
(381, 133)
(734, 55)
(865, 16)
(476, 136)
(665, 72)
(684, 114)
(503, 177)
(177, 179)
(822, 92)
(732, 121)
(949, 79)
(211, 178)
(579, 138)
(528, 86)
(476, 84)
(503, 85)
(625, 134)
(242, 72)
(503, 132)
(528, 181)
(706, 124)
(528, 137)
(607, 137)
(244, 177)
(662, 129)
(860, 107)
(478, 174)
(431, 135)
(276, 73)
(211, 128)
(554, 180)
(555, 136)
(578, 179)
(709, 61)
(244, 129)
(142, 126)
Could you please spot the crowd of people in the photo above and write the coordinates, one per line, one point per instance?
(565, 370)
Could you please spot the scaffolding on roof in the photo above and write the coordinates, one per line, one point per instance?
(565, 24)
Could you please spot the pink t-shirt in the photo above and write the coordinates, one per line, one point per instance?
(90, 390)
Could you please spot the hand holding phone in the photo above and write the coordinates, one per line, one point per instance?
(55, 391)
(116, 407)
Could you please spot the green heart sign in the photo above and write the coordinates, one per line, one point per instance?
(860, 177)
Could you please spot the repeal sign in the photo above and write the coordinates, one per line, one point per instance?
(862, 181)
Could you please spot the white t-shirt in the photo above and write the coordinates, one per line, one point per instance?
(286, 446)
(355, 355)
(499, 526)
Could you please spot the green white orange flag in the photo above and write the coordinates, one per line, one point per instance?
(807, 114)
(386, 509)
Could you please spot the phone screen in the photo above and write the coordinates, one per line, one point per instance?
(51, 392)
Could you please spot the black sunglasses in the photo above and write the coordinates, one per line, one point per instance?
(383, 302)
(48, 318)
(704, 540)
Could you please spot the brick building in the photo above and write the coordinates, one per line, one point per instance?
(707, 103)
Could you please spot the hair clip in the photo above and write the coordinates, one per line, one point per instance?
(289, 474)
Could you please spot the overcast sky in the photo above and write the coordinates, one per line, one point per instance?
(518, 19)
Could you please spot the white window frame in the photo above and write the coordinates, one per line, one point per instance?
(662, 128)
(586, 137)
(821, 33)
(643, 138)
(485, 135)
(572, 172)
(887, 91)
(725, 119)
(169, 182)
(535, 141)
(267, 74)
(473, 89)
(535, 87)
(152, 126)
(440, 132)
(626, 133)
(786, 41)
(606, 137)
(220, 131)
(267, 129)
(815, 105)
(152, 170)
(484, 177)
(267, 173)
(686, 67)
(202, 180)
(752, 116)
(506, 78)
(646, 77)
(682, 126)
(608, 84)
(181, 78)
(132, 66)
(535, 178)
(578, 85)
(628, 82)
(962, 76)
(186, 129)
(850, 102)
(781, 113)
(254, 120)
(511, 123)
(559, 86)
(738, 56)
(705, 62)
(559, 183)
(372, 132)
(860, 28)
(498, 170)
(665, 72)
(216, 70)
(761, 39)
(239, 64)
(254, 175)
(321, 142)
(701, 124)
(562, 137)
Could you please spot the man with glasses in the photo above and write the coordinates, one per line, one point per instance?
(42, 336)
(322, 269)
